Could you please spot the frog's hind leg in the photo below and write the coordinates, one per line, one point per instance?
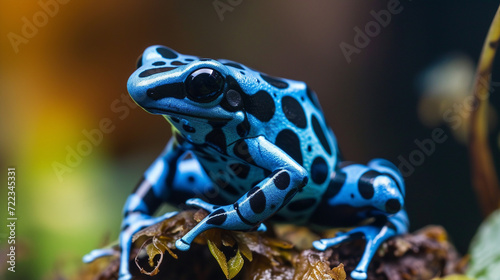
(359, 192)
(374, 234)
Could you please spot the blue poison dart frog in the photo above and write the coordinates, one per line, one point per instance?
(256, 148)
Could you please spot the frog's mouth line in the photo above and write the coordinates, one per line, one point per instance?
(180, 115)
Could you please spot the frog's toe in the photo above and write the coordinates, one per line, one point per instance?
(358, 275)
(182, 245)
(262, 228)
(323, 244)
(320, 245)
(98, 253)
(199, 203)
(126, 276)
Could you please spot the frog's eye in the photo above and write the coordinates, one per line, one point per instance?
(204, 85)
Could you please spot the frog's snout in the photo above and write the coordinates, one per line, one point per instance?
(146, 92)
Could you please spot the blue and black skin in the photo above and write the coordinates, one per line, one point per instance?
(256, 148)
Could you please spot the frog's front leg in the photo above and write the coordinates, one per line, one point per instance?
(263, 200)
(150, 193)
(153, 189)
(375, 191)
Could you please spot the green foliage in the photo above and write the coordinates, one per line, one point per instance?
(455, 277)
(485, 250)
(219, 256)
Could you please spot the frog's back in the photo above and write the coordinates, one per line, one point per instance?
(287, 113)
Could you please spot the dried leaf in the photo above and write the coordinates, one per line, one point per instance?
(235, 264)
(338, 273)
(402, 246)
(200, 215)
(314, 266)
(166, 244)
(177, 225)
(300, 236)
(260, 268)
(228, 240)
(156, 246)
(152, 251)
(219, 256)
(245, 251)
(317, 271)
(437, 233)
(214, 235)
(150, 231)
(279, 243)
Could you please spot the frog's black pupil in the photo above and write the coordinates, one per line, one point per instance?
(204, 85)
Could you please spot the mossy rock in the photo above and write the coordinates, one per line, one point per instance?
(222, 254)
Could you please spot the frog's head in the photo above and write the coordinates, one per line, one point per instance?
(192, 93)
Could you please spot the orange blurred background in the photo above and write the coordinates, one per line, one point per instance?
(71, 75)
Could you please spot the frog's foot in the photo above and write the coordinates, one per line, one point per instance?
(374, 234)
(326, 243)
(184, 243)
(224, 217)
(217, 213)
(132, 224)
(196, 202)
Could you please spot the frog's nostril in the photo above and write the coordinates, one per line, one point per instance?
(392, 206)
